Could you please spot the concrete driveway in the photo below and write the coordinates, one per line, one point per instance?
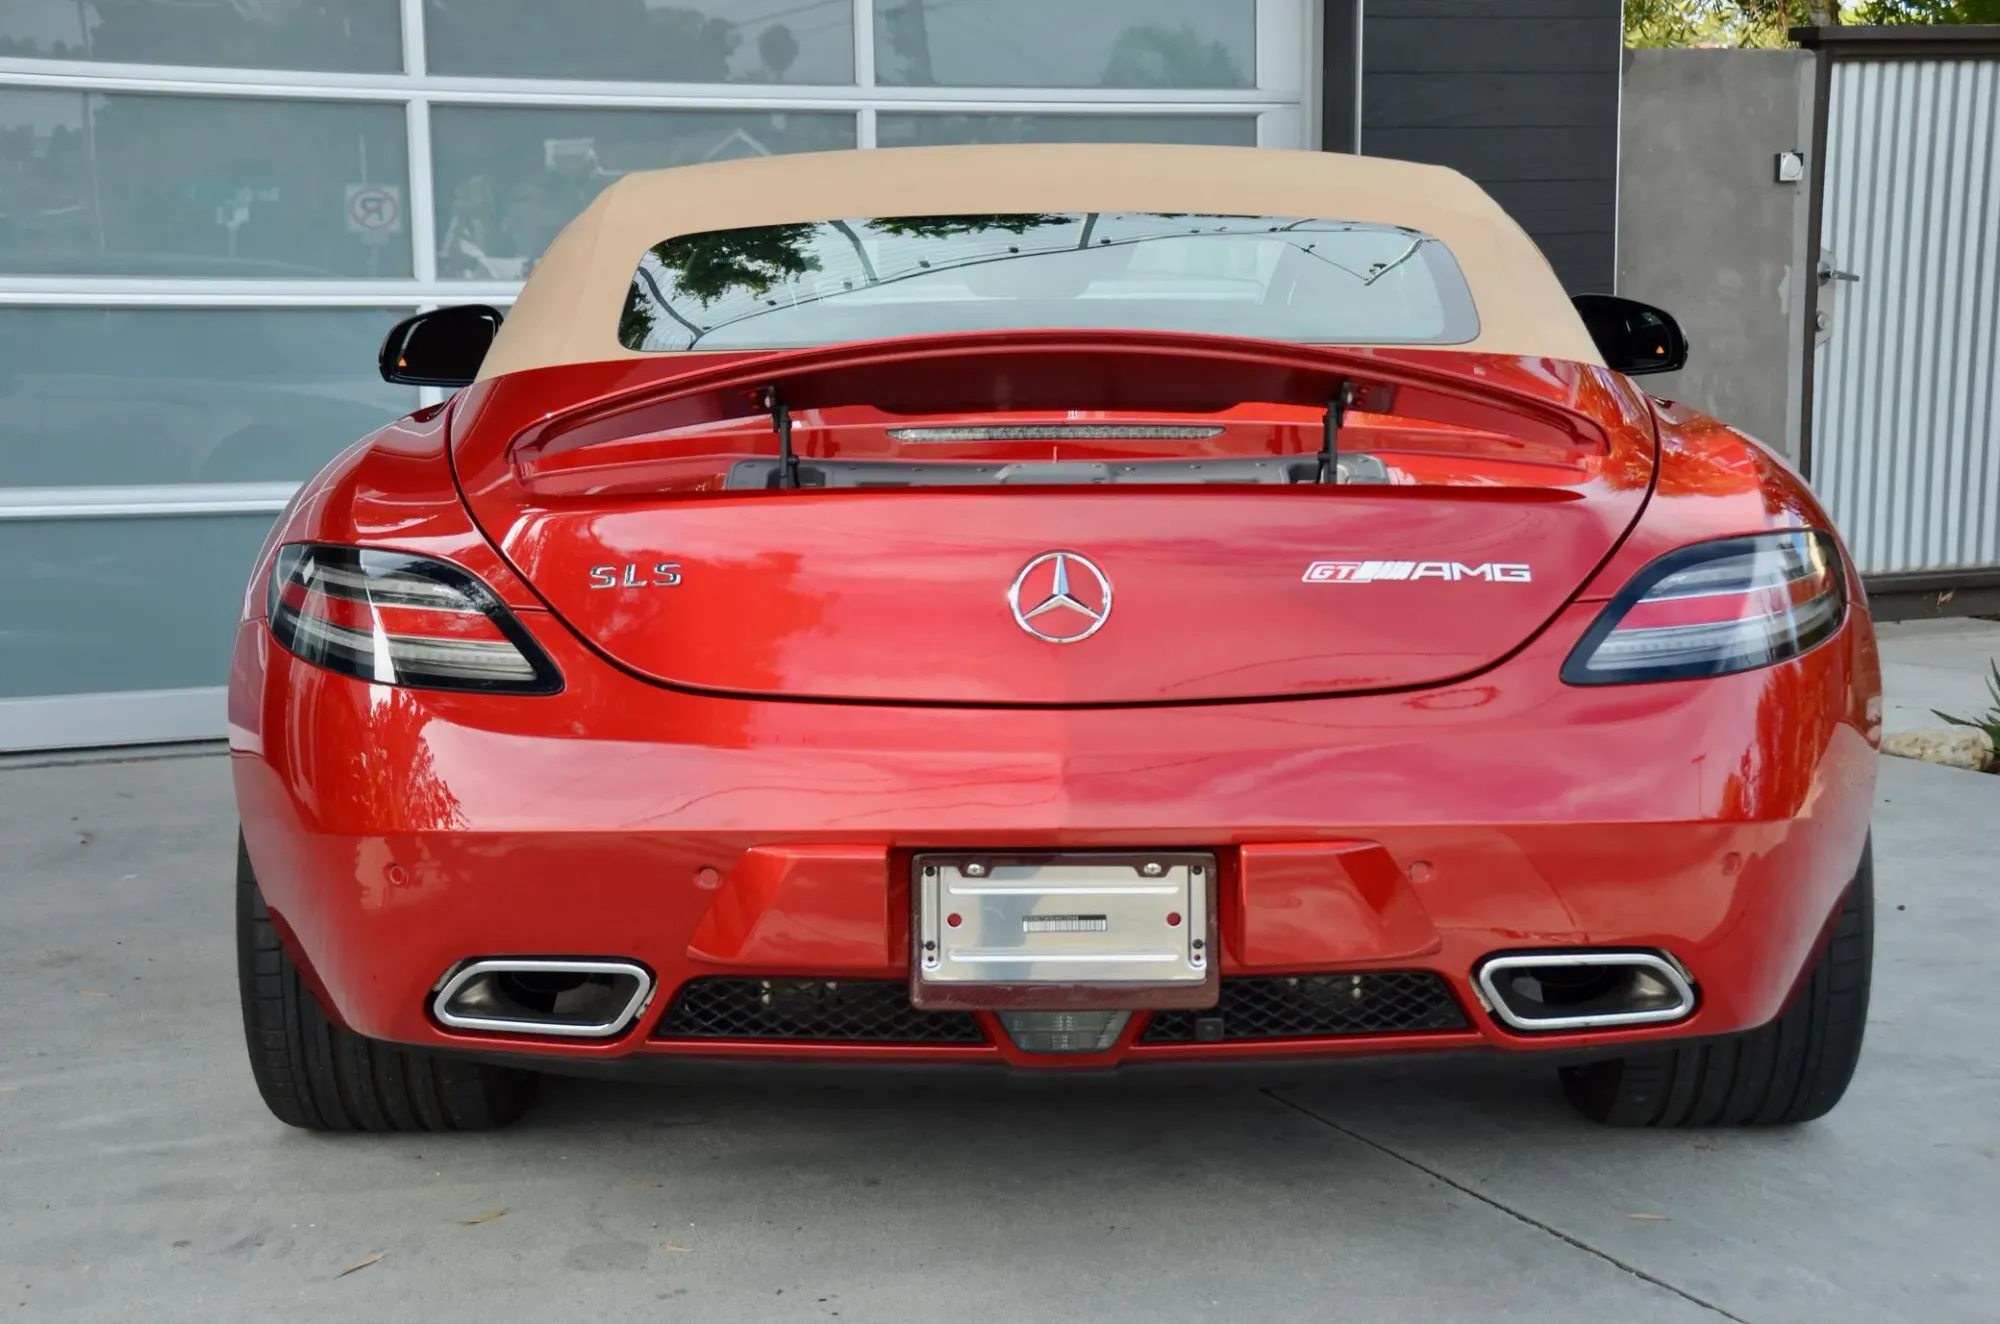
(1936, 666)
(141, 1179)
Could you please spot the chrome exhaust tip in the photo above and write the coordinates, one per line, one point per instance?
(1585, 990)
(575, 998)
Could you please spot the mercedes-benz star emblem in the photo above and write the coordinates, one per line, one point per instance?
(1060, 597)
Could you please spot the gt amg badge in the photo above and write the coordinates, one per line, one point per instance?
(1371, 572)
(1070, 597)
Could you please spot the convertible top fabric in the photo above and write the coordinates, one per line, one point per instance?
(568, 311)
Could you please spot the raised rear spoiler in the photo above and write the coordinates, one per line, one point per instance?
(1004, 371)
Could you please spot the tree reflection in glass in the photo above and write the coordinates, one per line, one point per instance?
(835, 281)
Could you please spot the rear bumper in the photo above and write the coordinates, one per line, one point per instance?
(397, 834)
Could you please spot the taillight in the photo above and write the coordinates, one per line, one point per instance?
(1714, 608)
(400, 619)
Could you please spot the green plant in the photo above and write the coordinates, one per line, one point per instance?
(1766, 23)
(1989, 722)
(1926, 11)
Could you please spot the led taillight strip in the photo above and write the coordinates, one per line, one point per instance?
(396, 618)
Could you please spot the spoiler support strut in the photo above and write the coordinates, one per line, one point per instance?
(781, 422)
(1329, 447)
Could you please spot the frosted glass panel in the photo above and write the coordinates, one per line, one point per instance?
(689, 41)
(118, 185)
(345, 35)
(125, 604)
(128, 396)
(929, 130)
(508, 179)
(1066, 43)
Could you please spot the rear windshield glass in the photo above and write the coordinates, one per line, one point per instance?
(829, 282)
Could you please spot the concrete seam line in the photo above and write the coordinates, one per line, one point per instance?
(19, 760)
(1513, 1213)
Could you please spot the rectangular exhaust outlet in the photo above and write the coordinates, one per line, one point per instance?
(1585, 990)
(577, 998)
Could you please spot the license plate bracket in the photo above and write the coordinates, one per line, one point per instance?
(1115, 929)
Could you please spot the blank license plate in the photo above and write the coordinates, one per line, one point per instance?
(1086, 929)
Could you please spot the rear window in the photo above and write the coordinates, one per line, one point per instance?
(829, 282)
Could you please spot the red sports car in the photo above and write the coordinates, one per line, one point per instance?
(1053, 608)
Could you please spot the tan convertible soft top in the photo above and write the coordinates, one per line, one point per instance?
(568, 311)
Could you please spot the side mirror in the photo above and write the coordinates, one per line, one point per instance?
(443, 347)
(1634, 338)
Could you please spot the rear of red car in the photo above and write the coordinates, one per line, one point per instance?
(1049, 697)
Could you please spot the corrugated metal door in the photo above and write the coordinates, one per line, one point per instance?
(1906, 406)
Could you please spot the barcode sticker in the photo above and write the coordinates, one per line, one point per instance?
(1064, 924)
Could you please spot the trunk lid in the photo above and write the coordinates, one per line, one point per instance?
(1094, 592)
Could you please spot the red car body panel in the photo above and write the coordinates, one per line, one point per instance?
(872, 595)
(735, 780)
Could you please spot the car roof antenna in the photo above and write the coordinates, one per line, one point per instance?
(781, 421)
(1337, 406)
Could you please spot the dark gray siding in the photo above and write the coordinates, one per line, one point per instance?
(1522, 95)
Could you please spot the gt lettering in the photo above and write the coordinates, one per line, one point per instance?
(665, 574)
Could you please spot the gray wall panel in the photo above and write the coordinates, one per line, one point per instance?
(1514, 44)
(1709, 233)
(1419, 100)
(1470, 9)
(1556, 206)
(1508, 152)
(1522, 97)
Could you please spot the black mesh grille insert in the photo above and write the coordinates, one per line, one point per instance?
(1313, 1007)
(850, 1011)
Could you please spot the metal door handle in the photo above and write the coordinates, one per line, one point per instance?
(1828, 274)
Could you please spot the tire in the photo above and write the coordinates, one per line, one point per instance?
(315, 1075)
(1793, 1070)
